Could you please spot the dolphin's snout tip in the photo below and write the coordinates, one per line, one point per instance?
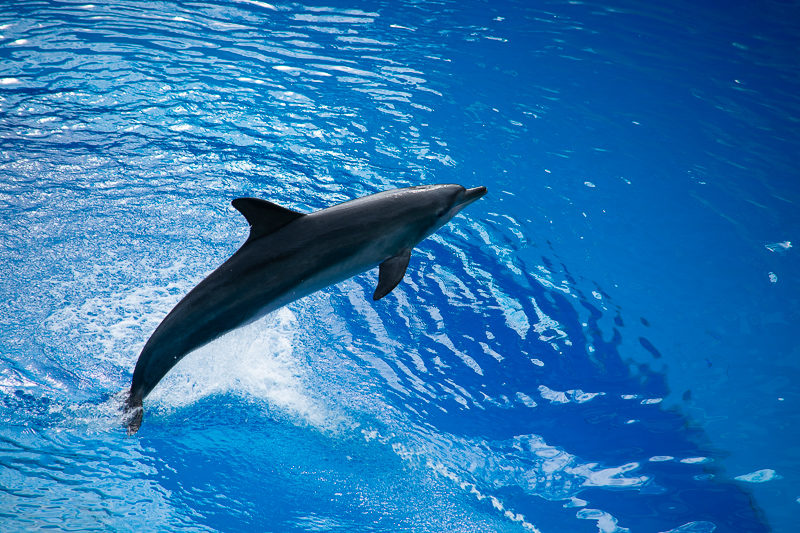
(470, 195)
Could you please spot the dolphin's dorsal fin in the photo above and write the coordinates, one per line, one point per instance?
(391, 273)
(264, 217)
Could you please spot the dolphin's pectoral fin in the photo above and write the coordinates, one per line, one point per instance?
(264, 217)
(391, 273)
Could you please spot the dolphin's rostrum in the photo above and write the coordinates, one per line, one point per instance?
(289, 255)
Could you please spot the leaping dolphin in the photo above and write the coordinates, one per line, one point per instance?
(289, 255)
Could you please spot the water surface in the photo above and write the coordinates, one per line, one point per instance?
(604, 342)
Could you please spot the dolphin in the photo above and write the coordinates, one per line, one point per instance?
(289, 255)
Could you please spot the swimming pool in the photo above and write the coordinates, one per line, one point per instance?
(603, 342)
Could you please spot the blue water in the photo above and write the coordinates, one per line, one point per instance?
(605, 342)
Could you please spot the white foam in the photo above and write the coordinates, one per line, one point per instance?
(778, 246)
(572, 395)
(606, 523)
(256, 361)
(609, 477)
(113, 327)
(554, 396)
(694, 527)
(259, 4)
(575, 502)
(759, 476)
(651, 401)
(526, 400)
(445, 341)
(109, 329)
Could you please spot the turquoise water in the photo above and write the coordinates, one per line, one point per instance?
(605, 342)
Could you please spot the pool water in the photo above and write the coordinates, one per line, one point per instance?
(605, 342)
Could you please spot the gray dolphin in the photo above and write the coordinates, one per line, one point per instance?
(289, 255)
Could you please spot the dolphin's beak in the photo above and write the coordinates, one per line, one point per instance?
(470, 195)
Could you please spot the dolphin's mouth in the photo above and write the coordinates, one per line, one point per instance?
(470, 195)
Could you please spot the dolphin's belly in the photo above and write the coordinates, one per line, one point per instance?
(316, 279)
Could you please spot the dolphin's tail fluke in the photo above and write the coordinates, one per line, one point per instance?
(133, 413)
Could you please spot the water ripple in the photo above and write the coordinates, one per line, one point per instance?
(125, 130)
